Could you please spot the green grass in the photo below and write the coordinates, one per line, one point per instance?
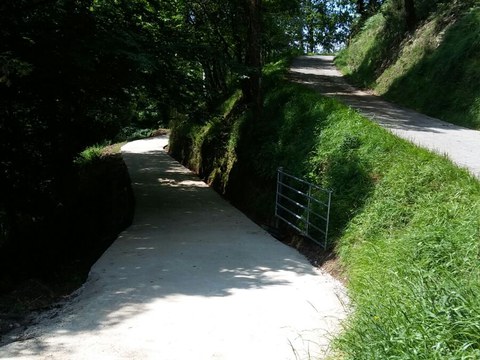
(90, 154)
(412, 260)
(96, 152)
(405, 222)
(360, 61)
(435, 71)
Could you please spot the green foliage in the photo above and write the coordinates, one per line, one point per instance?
(324, 25)
(229, 105)
(78, 73)
(73, 74)
(363, 56)
(130, 133)
(95, 153)
(435, 70)
(90, 154)
(210, 148)
(405, 222)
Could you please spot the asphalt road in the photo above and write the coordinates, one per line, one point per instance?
(460, 145)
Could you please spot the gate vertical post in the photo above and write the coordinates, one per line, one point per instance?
(328, 218)
(279, 188)
(309, 202)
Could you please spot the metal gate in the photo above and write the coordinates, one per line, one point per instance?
(304, 206)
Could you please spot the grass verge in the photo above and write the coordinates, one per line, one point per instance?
(405, 222)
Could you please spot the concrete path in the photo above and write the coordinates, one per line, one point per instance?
(191, 279)
(459, 144)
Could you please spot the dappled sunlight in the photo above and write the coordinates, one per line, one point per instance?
(184, 183)
(191, 266)
(302, 70)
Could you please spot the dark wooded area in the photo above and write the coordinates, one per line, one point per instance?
(75, 73)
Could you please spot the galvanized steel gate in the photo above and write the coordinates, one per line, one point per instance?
(304, 206)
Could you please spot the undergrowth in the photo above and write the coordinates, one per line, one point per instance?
(90, 154)
(405, 222)
(435, 70)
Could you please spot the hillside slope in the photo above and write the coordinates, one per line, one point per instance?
(405, 223)
(434, 70)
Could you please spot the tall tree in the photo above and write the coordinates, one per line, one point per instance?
(367, 8)
(360, 6)
(326, 23)
(253, 57)
(77, 72)
(74, 73)
(410, 15)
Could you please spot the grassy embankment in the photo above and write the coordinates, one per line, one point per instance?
(406, 223)
(435, 70)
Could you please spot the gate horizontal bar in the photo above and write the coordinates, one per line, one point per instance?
(302, 213)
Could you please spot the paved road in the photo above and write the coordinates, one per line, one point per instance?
(192, 278)
(460, 145)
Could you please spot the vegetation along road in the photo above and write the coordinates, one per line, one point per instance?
(459, 144)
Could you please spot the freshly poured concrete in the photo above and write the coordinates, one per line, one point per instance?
(460, 145)
(192, 278)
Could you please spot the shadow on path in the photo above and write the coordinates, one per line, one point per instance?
(192, 278)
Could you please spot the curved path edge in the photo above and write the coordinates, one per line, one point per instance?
(192, 278)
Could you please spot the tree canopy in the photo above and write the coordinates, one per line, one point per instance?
(74, 73)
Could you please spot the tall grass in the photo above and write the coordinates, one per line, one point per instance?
(405, 222)
(412, 258)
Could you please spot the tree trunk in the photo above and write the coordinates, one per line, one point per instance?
(410, 16)
(253, 61)
(360, 7)
(311, 39)
(373, 6)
